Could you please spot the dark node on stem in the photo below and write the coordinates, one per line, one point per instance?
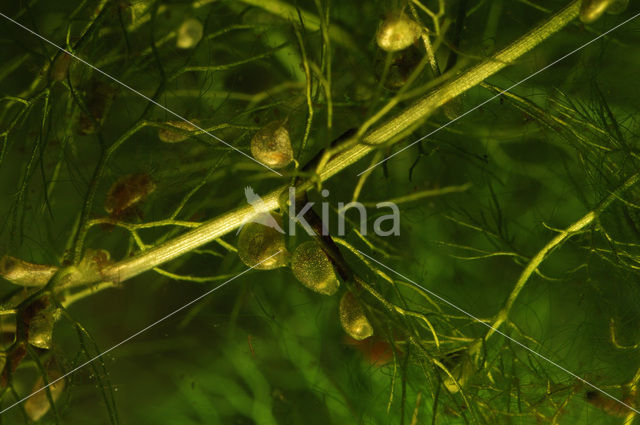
(60, 67)
(99, 99)
(127, 192)
(609, 405)
(13, 360)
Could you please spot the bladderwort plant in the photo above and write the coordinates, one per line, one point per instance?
(139, 285)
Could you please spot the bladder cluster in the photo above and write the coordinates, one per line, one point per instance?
(265, 247)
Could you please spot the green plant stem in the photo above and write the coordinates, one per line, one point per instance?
(535, 262)
(424, 107)
(69, 299)
(180, 245)
(533, 265)
(423, 194)
(413, 115)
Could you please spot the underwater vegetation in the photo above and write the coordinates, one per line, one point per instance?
(320, 212)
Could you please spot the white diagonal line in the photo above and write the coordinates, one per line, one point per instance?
(500, 332)
(137, 333)
(136, 92)
(502, 92)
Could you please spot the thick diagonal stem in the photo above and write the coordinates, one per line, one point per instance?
(416, 113)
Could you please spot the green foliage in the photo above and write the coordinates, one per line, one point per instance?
(523, 213)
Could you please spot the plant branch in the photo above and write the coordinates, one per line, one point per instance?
(353, 151)
(535, 262)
